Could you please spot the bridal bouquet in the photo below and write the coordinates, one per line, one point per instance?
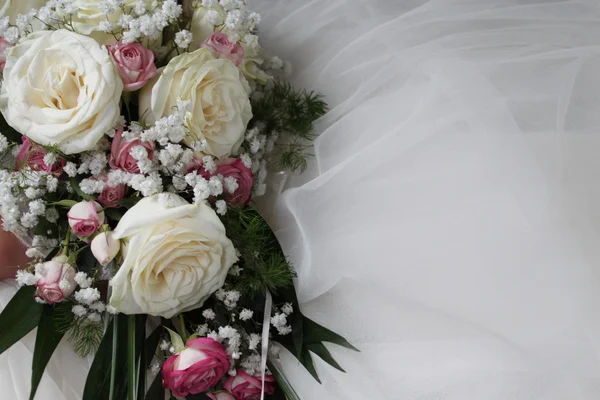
(135, 135)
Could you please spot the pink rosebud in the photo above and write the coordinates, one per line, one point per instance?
(55, 280)
(85, 218)
(111, 195)
(135, 64)
(220, 396)
(247, 387)
(219, 43)
(196, 369)
(105, 247)
(120, 153)
(4, 46)
(32, 155)
(234, 168)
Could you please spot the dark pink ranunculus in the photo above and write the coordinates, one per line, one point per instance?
(4, 45)
(222, 395)
(219, 43)
(120, 157)
(135, 64)
(236, 169)
(247, 387)
(197, 368)
(85, 218)
(55, 280)
(32, 155)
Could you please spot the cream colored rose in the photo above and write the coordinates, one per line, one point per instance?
(89, 16)
(219, 94)
(175, 258)
(12, 8)
(61, 88)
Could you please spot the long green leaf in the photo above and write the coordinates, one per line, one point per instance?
(47, 339)
(315, 333)
(285, 387)
(156, 391)
(307, 361)
(19, 317)
(320, 350)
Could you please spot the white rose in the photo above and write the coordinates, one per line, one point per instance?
(61, 88)
(175, 258)
(89, 16)
(219, 94)
(12, 8)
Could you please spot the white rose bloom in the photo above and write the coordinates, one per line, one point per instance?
(219, 94)
(61, 88)
(175, 258)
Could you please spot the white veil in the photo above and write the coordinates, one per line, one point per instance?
(449, 224)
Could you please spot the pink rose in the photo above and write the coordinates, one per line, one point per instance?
(220, 396)
(247, 387)
(4, 45)
(234, 168)
(135, 64)
(196, 369)
(55, 280)
(120, 157)
(111, 195)
(85, 218)
(219, 43)
(32, 155)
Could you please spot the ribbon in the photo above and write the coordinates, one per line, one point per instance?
(265, 342)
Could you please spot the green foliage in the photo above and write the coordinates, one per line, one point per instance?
(86, 337)
(264, 265)
(19, 317)
(47, 339)
(291, 113)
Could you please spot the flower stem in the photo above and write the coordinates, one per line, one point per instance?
(66, 242)
(131, 358)
(113, 365)
(184, 333)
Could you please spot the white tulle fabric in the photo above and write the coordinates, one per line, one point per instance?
(449, 225)
(65, 374)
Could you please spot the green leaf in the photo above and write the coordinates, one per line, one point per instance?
(114, 213)
(47, 339)
(199, 396)
(64, 203)
(97, 385)
(129, 202)
(77, 189)
(11, 134)
(156, 391)
(315, 333)
(285, 387)
(320, 350)
(306, 360)
(176, 340)
(19, 317)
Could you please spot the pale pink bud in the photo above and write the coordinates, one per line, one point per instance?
(105, 247)
(55, 280)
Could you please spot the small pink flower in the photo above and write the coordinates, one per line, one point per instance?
(32, 155)
(220, 396)
(196, 369)
(85, 218)
(120, 153)
(247, 387)
(111, 195)
(4, 45)
(219, 43)
(234, 168)
(55, 280)
(135, 64)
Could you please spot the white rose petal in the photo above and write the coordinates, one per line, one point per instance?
(61, 88)
(220, 100)
(175, 258)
